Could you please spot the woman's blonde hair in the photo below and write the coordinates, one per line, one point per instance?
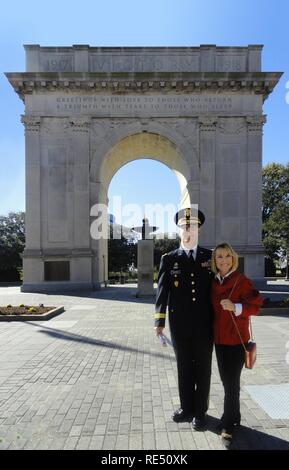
(224, 246)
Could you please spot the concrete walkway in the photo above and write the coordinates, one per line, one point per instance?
(96, 377)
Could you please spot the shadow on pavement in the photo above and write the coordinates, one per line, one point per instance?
(60, 334)
(249, 439)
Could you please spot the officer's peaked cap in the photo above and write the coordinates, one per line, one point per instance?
(189, 216)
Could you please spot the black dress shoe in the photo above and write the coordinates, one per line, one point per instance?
(199, 424)
(181, 416)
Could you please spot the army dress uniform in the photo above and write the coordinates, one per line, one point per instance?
(184, 285)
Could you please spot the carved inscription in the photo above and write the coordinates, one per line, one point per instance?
(137, 63)
(106, 104)
(226, 63)
(57, 63)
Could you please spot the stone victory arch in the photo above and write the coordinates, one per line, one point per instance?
(90, 110)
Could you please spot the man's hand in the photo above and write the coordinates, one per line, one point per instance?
(228, 305)
(159, 330)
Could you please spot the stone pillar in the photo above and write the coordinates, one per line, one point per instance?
(254, 264)
(98, 195)
(32, 265)
(81, 261)
(207, 158)
(80, 132)
(145, 267)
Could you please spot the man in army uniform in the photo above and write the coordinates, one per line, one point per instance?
(184, 285)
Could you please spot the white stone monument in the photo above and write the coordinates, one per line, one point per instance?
(145, 259)
(90, 110)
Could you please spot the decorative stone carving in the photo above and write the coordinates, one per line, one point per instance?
(80, 124)
(55, 126)
(255, 123)
(261, 83)
(231, 125)
(185, 127)
(208, 123)
(31, 123)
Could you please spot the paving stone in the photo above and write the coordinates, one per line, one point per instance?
(175, 440)
(70, 443)
(75, 431)
(149, 441)
(83, 443)
(162, 440)
(96, 443)
(200, 440)
(122, 442)
(135, 442)
(109, 443)
(71, 394)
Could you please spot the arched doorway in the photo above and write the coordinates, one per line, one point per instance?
(130, 148)
(141, 188)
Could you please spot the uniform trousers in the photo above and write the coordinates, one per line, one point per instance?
(194, 358)
(230, 363)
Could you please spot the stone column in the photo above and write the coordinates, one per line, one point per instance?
(255, 263)
(32, 268)
(207, 158)
(80, 134)
(98, 195)
(81, 260)
(32, 181)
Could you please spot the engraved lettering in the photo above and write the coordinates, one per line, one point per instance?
(120, 103)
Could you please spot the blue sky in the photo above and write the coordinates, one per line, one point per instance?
(132, 23)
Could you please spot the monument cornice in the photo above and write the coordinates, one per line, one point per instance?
(257, 82)
(157, 49)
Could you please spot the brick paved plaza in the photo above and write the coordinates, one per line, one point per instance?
(96, 377)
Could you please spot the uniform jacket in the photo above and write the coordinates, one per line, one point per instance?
(184, 287)
(224, 329)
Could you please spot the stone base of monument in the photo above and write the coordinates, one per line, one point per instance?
(145, 267)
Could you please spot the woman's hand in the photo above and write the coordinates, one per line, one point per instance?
(159, 330)
(227, 304)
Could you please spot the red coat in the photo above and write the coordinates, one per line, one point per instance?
(224, 329)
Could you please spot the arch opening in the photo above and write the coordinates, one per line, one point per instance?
(132, 148)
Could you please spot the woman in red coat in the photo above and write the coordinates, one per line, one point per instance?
(232, 294)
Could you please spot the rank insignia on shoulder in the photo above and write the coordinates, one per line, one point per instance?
(176, 283)
(165, 254)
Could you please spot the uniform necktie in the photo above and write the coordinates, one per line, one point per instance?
(191, 254)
